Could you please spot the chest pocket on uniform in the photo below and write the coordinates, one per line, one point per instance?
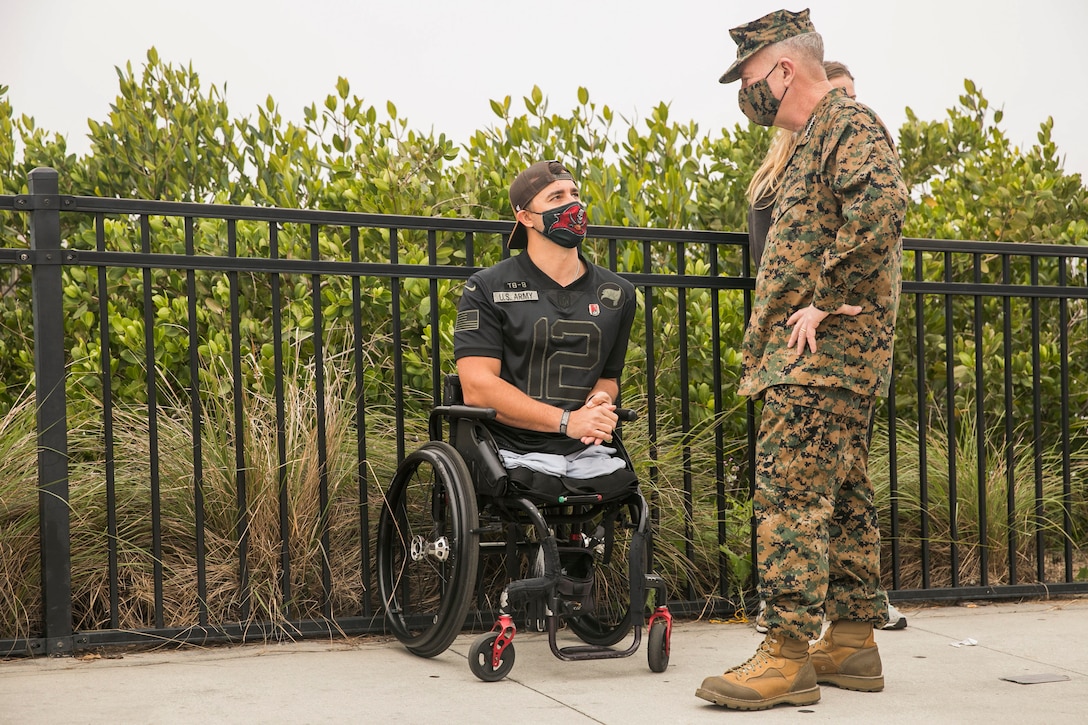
(790, 207)
(794, 191)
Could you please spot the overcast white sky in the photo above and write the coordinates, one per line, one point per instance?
(441, 61)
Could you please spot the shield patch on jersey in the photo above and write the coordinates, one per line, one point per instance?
(611, 295)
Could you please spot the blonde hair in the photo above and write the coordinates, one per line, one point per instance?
(768, 177)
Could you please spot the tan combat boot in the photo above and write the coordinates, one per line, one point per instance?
(846, 656)
(778, 673)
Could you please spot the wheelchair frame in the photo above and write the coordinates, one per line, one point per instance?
(449, 506)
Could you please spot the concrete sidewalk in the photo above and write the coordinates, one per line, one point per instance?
(929, 679)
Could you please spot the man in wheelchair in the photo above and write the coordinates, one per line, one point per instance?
(533, 474)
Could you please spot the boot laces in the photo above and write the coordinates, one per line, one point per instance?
(761, 658)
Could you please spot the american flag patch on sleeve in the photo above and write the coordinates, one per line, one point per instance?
(467, 320)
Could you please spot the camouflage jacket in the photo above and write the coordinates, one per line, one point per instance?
(835, 238)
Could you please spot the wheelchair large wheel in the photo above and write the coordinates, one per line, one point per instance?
(428, 549)
(612, 615)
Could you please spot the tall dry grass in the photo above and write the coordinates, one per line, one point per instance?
(20, 585)
(1030, 514)
(687, 550)
(181, 564)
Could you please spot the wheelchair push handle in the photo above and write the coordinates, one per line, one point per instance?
(464, 411)
(455, 412)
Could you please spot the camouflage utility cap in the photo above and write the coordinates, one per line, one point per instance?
(528, 184)
(768, 30)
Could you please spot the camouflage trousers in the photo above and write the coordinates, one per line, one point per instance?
(818, 536)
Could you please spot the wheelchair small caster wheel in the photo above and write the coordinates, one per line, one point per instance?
(657, 648)
(480, 659)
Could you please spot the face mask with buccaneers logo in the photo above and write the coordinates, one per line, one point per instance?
(565, 225)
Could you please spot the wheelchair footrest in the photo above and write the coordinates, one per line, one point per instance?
(586, 649)
(591, 651)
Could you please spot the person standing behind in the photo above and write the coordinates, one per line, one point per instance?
(840, 77)
(541, 337)
(818, 353)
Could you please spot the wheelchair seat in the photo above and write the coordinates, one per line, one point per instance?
(473, 441)
(543, 488)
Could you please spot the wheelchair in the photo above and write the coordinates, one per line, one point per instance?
(572, 552)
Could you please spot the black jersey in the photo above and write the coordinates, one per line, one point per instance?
(554, 342)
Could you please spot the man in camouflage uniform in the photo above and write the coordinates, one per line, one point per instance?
(818, 352)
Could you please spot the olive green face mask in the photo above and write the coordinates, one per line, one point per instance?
(757, 101)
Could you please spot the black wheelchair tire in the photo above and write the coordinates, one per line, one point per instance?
(479, 659)
(657, 646)
(430, 506)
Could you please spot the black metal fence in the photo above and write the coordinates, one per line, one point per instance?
(980, 446)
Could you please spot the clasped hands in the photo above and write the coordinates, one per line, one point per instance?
(595, 421)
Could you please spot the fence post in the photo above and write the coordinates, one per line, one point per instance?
(49, 374)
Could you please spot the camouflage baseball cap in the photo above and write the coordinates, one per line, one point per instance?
(527, 185)
(758, 34)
